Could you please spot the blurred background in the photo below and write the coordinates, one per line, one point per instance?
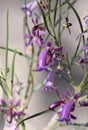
(40, 100)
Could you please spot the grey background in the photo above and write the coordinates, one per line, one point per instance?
(40, 101)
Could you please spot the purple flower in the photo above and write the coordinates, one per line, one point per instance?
(43, 59)
(67, 105)
(77, 95)
(49, 85)
(86, 20)
(11, 110)
(56, 104)
(36, 35)
(66, 95)
(86, 49)
(68, 24)
(80, 62)
(48, 56)
(65, 114)
(83, 104)
(29, 7)
(34, 38)
(2, 103)
(37, 26)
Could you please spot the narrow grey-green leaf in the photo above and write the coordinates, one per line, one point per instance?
(13, 69)
(7, 39)
(55, 11)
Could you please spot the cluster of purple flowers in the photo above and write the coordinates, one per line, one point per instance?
(36, 35)
(48, 57)
(12, 110)
(67, 104)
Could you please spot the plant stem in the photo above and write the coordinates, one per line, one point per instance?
(7, 41)
(33, 116)
(83, 80)
(59, 30)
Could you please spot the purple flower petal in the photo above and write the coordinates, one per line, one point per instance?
(55, 105)
(62, 95)
(10, 100)
(17, 102)
(49, 85)
(73, 117)
(11, 126)
(85, 47)
(83, 104)
(65, 114)
(76, 96)
(29, 7)
(68, 92)
(86, 20)
(38, 42)
(41, 63)
(3, 102)
(86, 54)
(27, 35)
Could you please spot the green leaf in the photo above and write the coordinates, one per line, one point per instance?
(12, 69)
(7, 39)
(19, 53)
(55, 11)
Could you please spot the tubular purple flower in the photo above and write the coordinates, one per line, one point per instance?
(42, 58)
(41, 63)
(29, 7)
(65, 114)
(49, 85)
(86, 20)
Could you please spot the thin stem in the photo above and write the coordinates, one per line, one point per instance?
(7, 41)
(17, 52)
(76, 52)
(83, 80)
(53, 29)
(57, 92)
(29, 87)
(55, 12)
(33, 116)
(80, 24)
(70, 73)
(59, 30)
